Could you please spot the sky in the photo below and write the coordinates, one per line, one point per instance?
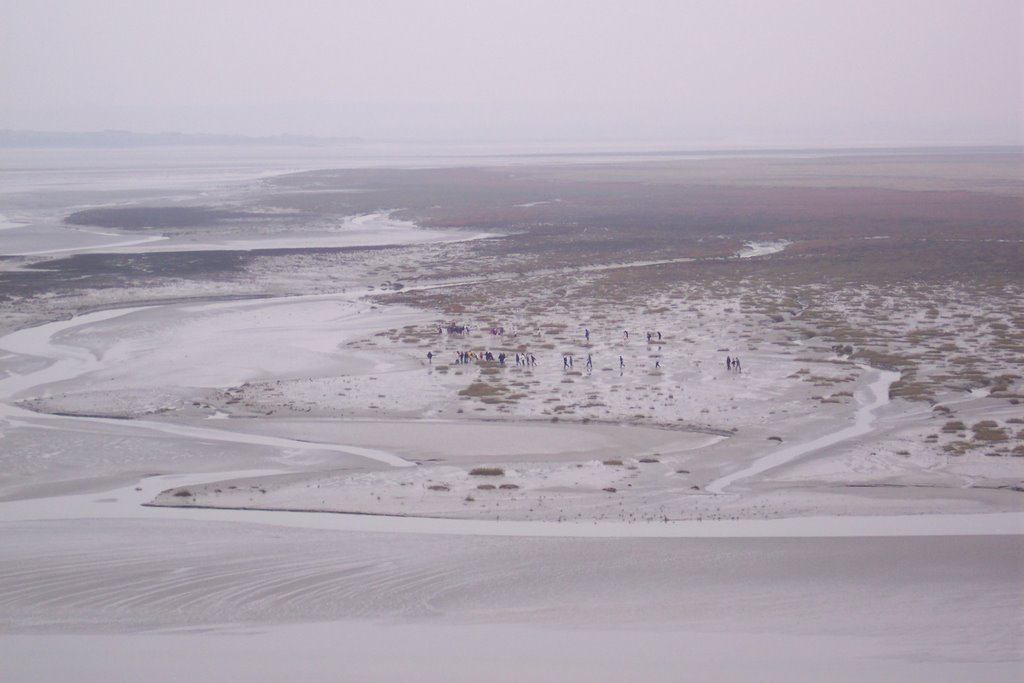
(703, 73)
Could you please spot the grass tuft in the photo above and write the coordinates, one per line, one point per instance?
(989, 430)
(487, 472)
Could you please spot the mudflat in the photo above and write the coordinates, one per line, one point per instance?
(768, 404)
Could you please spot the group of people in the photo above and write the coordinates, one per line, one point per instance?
(625, 336)
(462, 357)
(462, 330)
(567, 362)
(529, 360)
(523, 359)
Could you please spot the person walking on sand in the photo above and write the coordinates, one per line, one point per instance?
(590, 363)
(625, 335)
(657, 364)
(622, 363)
(586, 334)
(430, 356)
(565, 362)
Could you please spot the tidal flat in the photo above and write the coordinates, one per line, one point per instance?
(769, 404)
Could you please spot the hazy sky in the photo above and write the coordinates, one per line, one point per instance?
(692, 71)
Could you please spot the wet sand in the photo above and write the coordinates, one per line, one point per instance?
(315, 501)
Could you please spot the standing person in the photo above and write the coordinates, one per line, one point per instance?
(570, 361)
(590, 362)
(622, 363)
(659, 336)
(728, 363)
(736, 364)
(625, 335)
(586, 334)
(430, 357)
(565, 362)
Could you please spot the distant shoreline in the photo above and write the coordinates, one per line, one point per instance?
(124, 138)
(525, 149)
